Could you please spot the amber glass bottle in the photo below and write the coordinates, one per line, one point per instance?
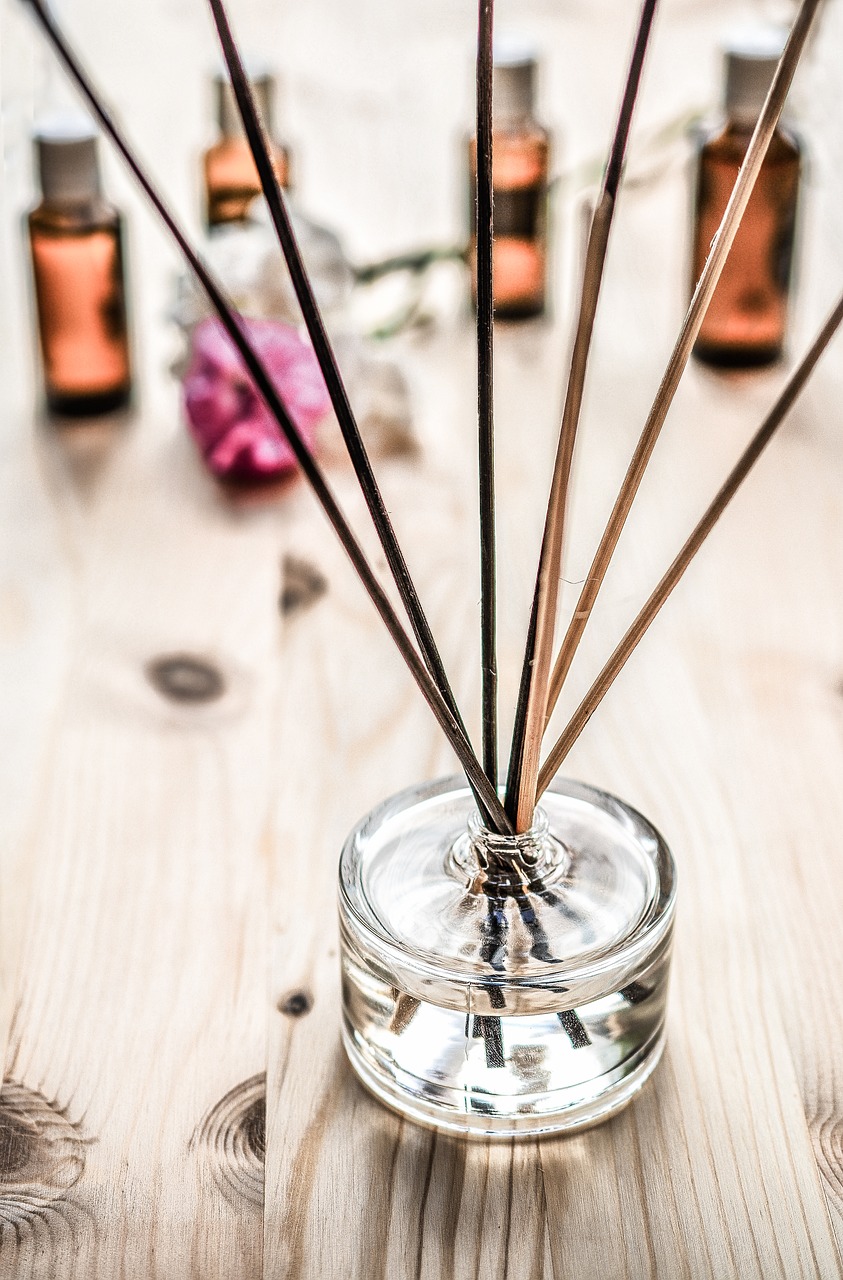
(231, 179)
(77, 258)
(520, 179)
(746, 322)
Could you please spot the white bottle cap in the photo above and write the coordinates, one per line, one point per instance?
(751, 56)
(262, 83)
(515, 63)
(66, 159)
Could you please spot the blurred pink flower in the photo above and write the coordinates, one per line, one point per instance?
(229, 421)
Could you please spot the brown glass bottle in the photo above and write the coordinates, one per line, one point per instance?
(520, 180)
(77, 258)
(746, 323)
(231, 178)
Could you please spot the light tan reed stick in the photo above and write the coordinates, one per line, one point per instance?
(484, 219)
(682, 350)
(736, 477)
(532, 701)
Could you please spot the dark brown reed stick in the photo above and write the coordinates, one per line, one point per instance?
(259, 146)
(485, 410)
(736, 477)
(532, 702)
(703, 292)
(485, 792)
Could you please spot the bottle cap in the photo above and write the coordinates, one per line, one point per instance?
(262, 82)
(515, 63)
(66, 159)
(751, 57)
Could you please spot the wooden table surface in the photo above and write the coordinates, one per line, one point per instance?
(176, 1102)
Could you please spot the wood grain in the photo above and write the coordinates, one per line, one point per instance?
(168, 942)
(141, 997)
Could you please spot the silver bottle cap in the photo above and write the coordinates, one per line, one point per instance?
(262, 82)
(66, 160)
(751, 56)
(515, 64)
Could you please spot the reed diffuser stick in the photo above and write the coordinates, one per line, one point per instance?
(703, 293)
(259, 146)
(713, 512)
(485, 407)
(485, 792)
(532, 702)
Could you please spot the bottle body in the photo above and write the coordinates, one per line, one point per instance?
(77, 260)
(746, 323)
(232, 182)
(519, 254)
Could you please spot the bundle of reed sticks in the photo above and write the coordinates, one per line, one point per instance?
(510, 808)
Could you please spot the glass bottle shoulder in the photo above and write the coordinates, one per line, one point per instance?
(77, 219)
(727, 141)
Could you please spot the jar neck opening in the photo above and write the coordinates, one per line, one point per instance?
(523, 847)
(500, 864)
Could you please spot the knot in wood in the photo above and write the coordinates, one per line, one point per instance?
(302, 584)
(41, 1154)
(185, 677)
(231, 1142)
(296, 1004)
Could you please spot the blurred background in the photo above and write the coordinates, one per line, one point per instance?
(375, 101)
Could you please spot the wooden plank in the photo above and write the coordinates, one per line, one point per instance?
(36, 626)
(781, 755)
(141, 833)
(141, 1000)
(721, 1137)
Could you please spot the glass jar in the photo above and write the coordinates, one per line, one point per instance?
(503, 986)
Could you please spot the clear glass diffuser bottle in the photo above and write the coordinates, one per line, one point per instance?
(503, 986)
